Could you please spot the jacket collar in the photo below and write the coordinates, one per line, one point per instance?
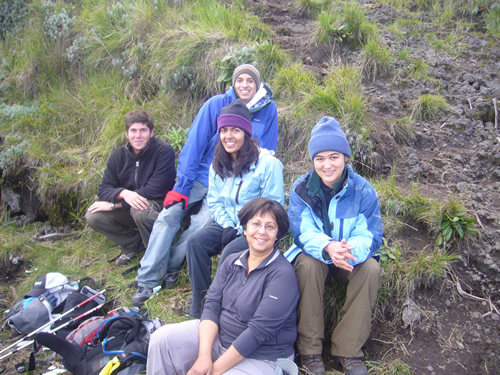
(242, 260)
(143, 152)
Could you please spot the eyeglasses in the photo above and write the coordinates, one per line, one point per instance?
(255, 225)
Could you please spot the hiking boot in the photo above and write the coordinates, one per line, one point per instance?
(124, 259)
(313, 364)
(353, 366)
(169, 281)
(143, 293)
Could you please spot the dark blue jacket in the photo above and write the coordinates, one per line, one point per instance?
(150, 174)
(255, 313)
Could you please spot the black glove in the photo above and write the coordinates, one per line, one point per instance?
(228, 234)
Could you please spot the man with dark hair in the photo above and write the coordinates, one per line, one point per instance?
(136, 179)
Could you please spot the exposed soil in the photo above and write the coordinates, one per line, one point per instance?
(456, 155)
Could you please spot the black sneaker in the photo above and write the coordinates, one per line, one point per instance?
(143, 293)
(124, 259)
(169, 281)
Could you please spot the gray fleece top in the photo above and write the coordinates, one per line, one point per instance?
(255, 313)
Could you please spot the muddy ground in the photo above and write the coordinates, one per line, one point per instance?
(457, 154)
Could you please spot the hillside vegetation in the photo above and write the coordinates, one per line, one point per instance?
(414, 84)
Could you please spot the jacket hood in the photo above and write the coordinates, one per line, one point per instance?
(264, 93)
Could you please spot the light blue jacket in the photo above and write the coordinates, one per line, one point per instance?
(226, 196)
(196, 156)
(354, 214)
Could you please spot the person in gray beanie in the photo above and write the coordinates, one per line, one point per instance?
(337, 228)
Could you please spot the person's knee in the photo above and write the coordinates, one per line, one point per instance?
(92, 219)
(195, 242)
(159, 338)
(171, 216)
(372, 270)
(143, 218)
(307, 265)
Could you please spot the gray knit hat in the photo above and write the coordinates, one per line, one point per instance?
(248, 69)
(327, 136)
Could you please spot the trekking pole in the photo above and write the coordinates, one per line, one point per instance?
(48, 324)
(28, 343)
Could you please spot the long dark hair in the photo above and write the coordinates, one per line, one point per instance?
(247, 155)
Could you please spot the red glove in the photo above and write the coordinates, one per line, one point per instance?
(174, 197)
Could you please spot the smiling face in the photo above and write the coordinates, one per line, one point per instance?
(139, 136)
(232, 139)
(245, 87)
(261, 232)
(329, 165)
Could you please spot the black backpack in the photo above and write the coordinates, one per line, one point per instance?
(122, 339)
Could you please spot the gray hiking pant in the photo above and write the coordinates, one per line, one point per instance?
(173, 349)
(126, 228)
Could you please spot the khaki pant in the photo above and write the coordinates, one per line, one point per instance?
(126, 228)
(354, 327)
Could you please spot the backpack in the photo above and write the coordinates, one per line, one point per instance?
(33, 311)
(120, 345)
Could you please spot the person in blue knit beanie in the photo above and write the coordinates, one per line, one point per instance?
(337, 228)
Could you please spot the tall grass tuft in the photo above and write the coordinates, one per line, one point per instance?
(356, 24)
(347, 25)
(293, 82)
(342, 94)
(311, 7)
(401, 129)
(492, 18)
(377, 59)
(342, 97)
(428, 107)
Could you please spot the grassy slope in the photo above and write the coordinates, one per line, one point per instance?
(72, 70)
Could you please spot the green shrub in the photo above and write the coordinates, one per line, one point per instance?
(12, 150)
(243, 55)
(12, 16)
(454, 224)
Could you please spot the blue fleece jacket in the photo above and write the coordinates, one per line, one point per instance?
(255, 312)
(353, 214)
(227, 196)
(196, 156)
